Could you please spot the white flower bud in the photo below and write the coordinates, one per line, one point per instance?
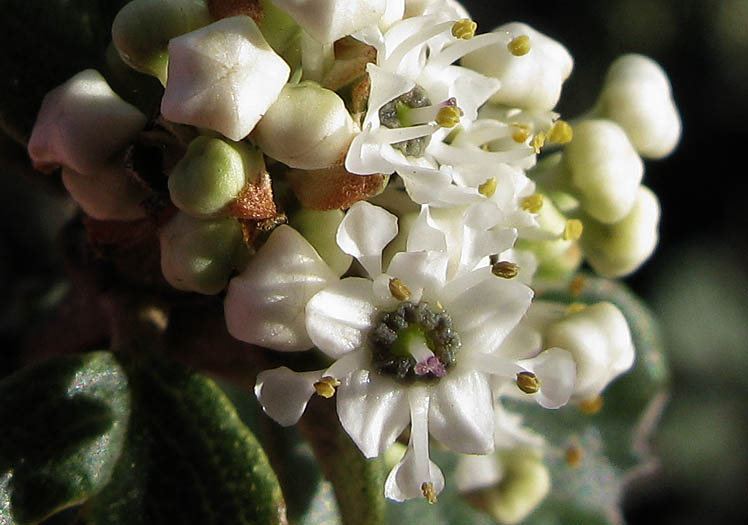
(82, 124)
(532, 80)
(110, 194)
(329, 20)
(599, 339)
(604, 170)
(142, 29)
(223, 77)
(198, 255)
(307, 127)
(319, 228)
(616, 250)
(638, 96)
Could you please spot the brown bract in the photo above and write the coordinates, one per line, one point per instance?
(333, 188)
(227, 8)
(255, 200)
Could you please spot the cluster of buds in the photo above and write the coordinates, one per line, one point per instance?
(386, 132)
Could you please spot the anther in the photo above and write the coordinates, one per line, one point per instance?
(592, 406)
(521, 135)
(505, 269)
(574, 455)
(398, 289)
(448, 116)
(464, 29)
(533, 203)
(488, 188)
(528, 382)
(519, 46)
(560, 133)
(573, 230)
(427, 489)
(326, 386)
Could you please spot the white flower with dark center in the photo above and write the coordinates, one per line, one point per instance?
(411, 345)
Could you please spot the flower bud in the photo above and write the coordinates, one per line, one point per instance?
(211, 174)
(599, 339)
(319, 228)
(329, 20)
(142, 29)
(556, 258)
(531, 80)
(82, 124)
(307, 127)
(616, 250)
(110, 194)
(603, 169)
(223, 77)
(637, 95)
(199, 255)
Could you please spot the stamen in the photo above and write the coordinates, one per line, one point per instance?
(488, 188)
(447, 154)
(505, 269)
(326, 386)
(528, 382)
(575, 308)
(533, 203)
(464, 29)
(390, 136)
(522, 134)
(459, 49)
(519, 46)
(561, 133)
(398, 289)
(574, 455)
(427, 488)
(448, 116)
(415, 40)
(573, 230)
(538, 141)
(592, 406)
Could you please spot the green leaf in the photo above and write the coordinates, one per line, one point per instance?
(188, 458)
(64, 423)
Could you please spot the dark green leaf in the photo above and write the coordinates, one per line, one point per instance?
(64, 423)
(188, 458)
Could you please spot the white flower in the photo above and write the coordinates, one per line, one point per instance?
(329, 20)
(411, 345)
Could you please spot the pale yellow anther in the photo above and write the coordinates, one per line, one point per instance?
(573, 230)
(528, 382)
(521, 135)
(533, 203)
(592, 406)
(519, 46)
(326, 386)
(574, 308)
(574, 455)
(505, 269)
(398, 289)
(488, 188)
(464, 29)
(448, 116)
(427, 488)
(439, 305)
(538, 141)
(561, 133)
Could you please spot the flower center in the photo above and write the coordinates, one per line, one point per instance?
(394, 114)
(413, 342)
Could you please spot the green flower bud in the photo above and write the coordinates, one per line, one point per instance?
(320, 228)
(199, 255)
(556, 258)
(603, 169)
(142, 29)
(211, 174)
(110, 194)
(616, 250)
(307, 127)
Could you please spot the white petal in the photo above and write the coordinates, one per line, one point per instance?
(373, 410)
(557, 372)
(265, 303)
(477, 472)
(364, 232)
(424, 236)
(424, 273)
(434, 187)
(485, 308)
(338, 318)
(461, 413)
(284, 393)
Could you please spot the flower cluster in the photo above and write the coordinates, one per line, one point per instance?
(428, 188)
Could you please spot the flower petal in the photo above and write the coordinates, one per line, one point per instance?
(422, 272)
(284, 393)
(477, 472)
(265, 303)
(557, 372)
(364, 232)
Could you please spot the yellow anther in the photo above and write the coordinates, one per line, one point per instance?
(488, 188)
(427, 488)
(528, 382)
(574, 308)
(533, 203)
(576, 286)
(505, 269)
(591, 406)
(538, 141)
(448, 116)
(573, 230)
(464, 29)
(521, 135)
(561, 133)
(519, 46)
(574, 455)
(398, 289)
(439, 305)
(326, 386)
